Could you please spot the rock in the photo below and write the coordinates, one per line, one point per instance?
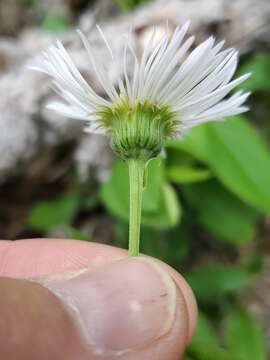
(11, 20)
(93, 157)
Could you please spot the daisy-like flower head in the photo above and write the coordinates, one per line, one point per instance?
(169, 90)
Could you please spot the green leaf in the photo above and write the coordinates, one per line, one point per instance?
(211, 282)
(237, 156)
(244, 337)
(127, 5)
(171, 246)
(259, 65)
(55, 23)
(187, 357)
(154, 179)
(169, 212)
(29, 3)
(76, 234)
(205, 331)
(202, 351)
(90, 202)
(182, 167)
(224, 215)
(46, 215)
(115, 192)
(160, 209)
(186, 174)
(205, 344)
(175, 156)
(194, 144)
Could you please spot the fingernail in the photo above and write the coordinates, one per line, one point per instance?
(122, 307)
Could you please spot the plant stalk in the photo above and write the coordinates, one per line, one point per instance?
(136, 180)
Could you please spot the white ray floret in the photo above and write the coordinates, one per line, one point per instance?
(192, 84)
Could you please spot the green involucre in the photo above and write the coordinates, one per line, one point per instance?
(138, 130)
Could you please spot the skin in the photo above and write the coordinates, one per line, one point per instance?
(35, 324)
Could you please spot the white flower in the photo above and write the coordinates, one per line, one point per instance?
(192, 85)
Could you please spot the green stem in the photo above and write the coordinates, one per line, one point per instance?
(136, 176)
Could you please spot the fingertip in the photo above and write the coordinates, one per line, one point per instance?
(132, 307)
(37, 257)
(191, 304)
(188, 296)
(29, 258)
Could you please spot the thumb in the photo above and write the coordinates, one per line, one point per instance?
(128, 309)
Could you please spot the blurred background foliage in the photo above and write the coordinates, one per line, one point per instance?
(205, 211)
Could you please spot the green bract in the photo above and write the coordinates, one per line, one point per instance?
(138, 131)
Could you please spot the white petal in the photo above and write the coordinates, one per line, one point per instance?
(68, 111)
(208, 100)
(105, 41)
(219, 76)
(94, 127)
(224, 108)
(194, 86)
(98, 68)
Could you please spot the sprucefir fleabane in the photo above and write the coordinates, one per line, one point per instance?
(169, 90)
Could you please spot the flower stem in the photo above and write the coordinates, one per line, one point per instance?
(136, 179)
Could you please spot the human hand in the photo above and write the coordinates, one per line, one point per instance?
(87, 301)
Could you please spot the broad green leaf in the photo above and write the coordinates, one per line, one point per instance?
(89, 202)
(29, 3)
(154, 179)
(205, 331)
(187, 357)
(170, 246)
(237, 156)
(176, 156)
(223, 214)
(259, 65)
(211, 282)
(115, 192)
(168, 213)
(127, 5)
(186, 174)
(244, 337)
(76, 234)
(46, 215)
(55, 23)
(195, 143)
(160, 209)
(200, 350)
(205, 344)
